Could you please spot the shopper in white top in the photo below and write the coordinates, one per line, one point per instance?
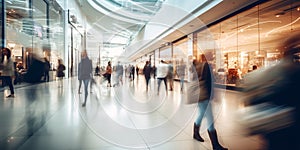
(162, 72)
(8, 70)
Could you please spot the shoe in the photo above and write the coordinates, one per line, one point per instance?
(196, 134)
(83, 105)
(10, 96)
(214, 140)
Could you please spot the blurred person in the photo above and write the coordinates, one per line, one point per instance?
(60, 72)
(20, 66)
(137, 69)
(108, 74)
(282, 90)
(35, 71)
(16, 76)
(8, 70)
(119, 74)
(147, 73)
(79, 74)
(132, 70)
(93, 82)
(85, 70)
(254, 67)
(170, 76)
(97, 70)
(162, 72)
(128, 71)
(204, 107)
(46, 70)
(180, 70)
(154, 71)
(19, 72)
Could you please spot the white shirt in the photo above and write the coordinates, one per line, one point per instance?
(162, 70)
(8, 68)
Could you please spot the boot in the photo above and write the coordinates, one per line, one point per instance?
(214, 140)
(196, 133)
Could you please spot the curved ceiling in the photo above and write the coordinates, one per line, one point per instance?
(118, 20)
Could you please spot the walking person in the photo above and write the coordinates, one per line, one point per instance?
(119, 74)
(154, 71)
(205, 108)
(108, 74)
(85, 70)
(8, 70)
(180, 70)
(147, 73)
(162, 72)
(79, 75)
(170, 75)
(132, 70)
(47, 69)
(137, 69)
(278, 86)
(97, 71)
(60, 74)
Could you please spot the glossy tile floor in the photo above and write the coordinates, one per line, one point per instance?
(48, 117)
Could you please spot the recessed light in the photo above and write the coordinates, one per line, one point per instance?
(279, 14)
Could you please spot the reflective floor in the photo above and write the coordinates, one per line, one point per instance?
(49, 117)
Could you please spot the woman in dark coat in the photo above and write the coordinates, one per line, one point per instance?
(205, 108)
(85, 70)
(147, 72)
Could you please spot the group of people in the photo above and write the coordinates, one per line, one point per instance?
(284, 92)
(38, 70)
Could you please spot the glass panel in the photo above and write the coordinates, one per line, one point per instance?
(249, 54)
(165, 54)
(282, 19)
(180, 56)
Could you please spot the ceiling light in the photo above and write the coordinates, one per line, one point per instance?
(279, 14)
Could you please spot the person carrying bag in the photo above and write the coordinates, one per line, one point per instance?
(202, 74)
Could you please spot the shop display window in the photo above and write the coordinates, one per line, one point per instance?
(180, 57)
(249, 40)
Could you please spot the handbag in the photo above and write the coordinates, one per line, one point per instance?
(265, 118)
(197, 90)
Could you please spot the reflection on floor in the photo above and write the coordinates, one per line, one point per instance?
(48, 117)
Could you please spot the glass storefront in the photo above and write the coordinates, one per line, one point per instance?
(165, 53)
(250, 39)
(240, 43)
(180, 53)
(34, 28)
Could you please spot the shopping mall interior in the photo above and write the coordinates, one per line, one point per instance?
(235, 36)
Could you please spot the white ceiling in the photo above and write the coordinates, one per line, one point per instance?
(111, 26)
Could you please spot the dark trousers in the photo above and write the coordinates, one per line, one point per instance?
(46, 76)
(159, 81)
(8, 81)
(147, 78)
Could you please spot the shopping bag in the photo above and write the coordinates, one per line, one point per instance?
(196, 89)
(196, 92)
